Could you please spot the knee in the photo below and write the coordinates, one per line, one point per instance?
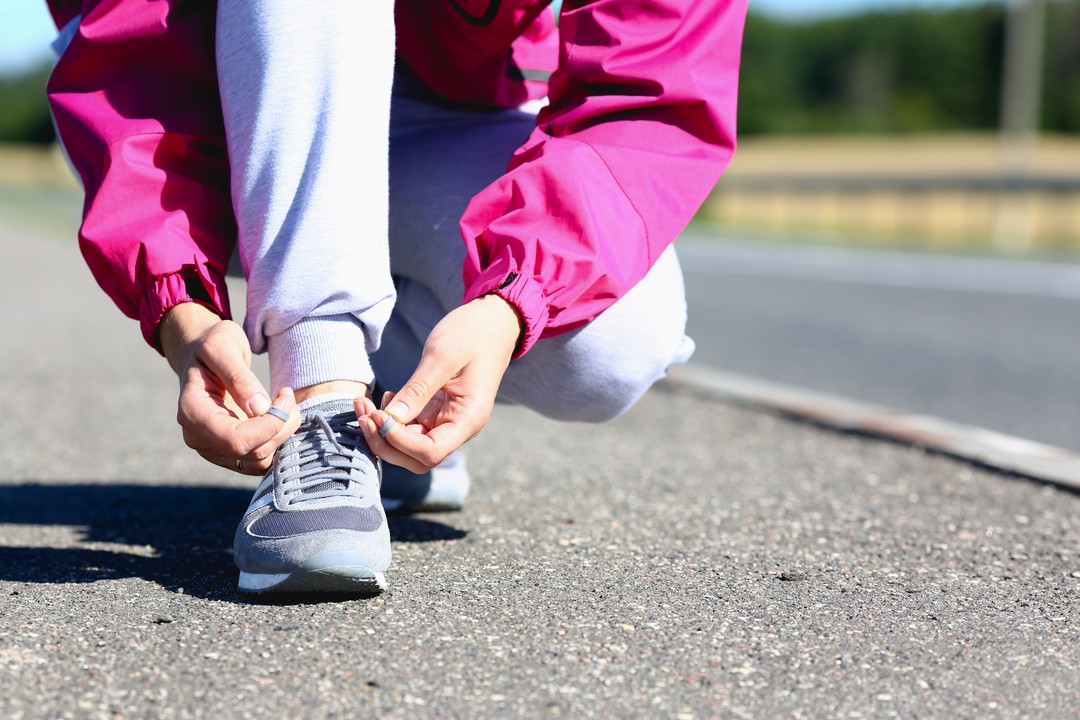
(605, 398)
(595, 381)
(598, 372)
(627, 379)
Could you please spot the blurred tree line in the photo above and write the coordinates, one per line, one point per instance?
(918, 70)
(24, 112)
(914, 70)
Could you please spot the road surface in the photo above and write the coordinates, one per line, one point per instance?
(691, 560)
(988, 342)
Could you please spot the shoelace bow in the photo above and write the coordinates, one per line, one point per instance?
(319, 459)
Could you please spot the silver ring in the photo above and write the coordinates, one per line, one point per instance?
(278, 413)
(239, 465)
(387, 426)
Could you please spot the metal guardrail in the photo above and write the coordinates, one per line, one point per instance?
(1017, 211)
(883, 183)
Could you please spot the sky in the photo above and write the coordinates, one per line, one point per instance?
(26, 28)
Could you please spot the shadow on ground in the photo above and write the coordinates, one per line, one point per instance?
(178, 537)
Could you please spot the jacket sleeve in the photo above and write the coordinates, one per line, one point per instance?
(136, 104)
(640, 125)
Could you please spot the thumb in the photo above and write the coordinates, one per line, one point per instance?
(428, 378)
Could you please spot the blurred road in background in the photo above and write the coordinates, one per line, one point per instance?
(989, 342)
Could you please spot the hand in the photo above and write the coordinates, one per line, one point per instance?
(450, 396)
(222, 404)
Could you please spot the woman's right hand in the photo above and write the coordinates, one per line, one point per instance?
(222, 406)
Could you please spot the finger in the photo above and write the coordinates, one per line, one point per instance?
(286, 403)
(259, 460)
(243, 467)
(201, 398)
(264, 454)
(428, 447)
(363, 406)
(219, 432)
(226, 358)
(256, 462)
(430, 376)
(387, 452)
(423, 419)
(268, 428)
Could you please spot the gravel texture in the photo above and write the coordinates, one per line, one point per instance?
(689, 560)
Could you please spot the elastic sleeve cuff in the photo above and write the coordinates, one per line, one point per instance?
(503, 278)
(195, 283)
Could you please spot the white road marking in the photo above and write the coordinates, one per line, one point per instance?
(975, 444)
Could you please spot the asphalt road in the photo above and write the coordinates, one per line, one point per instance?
(988, 342)
(690, 560)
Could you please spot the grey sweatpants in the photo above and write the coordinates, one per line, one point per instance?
(348, 189)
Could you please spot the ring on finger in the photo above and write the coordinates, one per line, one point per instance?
(278, 413)
(387, 426)
(239, 465)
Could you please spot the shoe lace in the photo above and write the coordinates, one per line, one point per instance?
(321, 460)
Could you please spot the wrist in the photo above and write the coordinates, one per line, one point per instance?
(507, 319)
(180, 327)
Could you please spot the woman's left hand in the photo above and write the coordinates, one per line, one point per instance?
(449, 397)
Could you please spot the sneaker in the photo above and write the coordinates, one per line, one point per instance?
(442, 489)
(315, 523)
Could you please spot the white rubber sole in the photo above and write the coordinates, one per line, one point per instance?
(449, 486)
(332, 573)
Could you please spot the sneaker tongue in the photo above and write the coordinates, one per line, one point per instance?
(326, 408)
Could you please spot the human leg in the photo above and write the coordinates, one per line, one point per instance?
(441, 157)
(305, 92)
(598, 372)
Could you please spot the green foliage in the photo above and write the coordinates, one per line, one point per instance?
(24, 111)
(1061, 86)
(899, 71)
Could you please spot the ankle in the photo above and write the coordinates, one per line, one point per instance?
(335, 387)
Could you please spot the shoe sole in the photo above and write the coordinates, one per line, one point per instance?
(332, 573)
(446, 491)
(428, 504)
(438, 499)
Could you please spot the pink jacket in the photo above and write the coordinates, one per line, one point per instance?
(640, 124)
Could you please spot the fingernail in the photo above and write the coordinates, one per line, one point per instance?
(398, 409)
(259, 404)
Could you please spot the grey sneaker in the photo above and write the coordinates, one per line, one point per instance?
(443, 489)
(315, 523)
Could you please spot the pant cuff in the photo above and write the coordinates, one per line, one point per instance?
(319, 349)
